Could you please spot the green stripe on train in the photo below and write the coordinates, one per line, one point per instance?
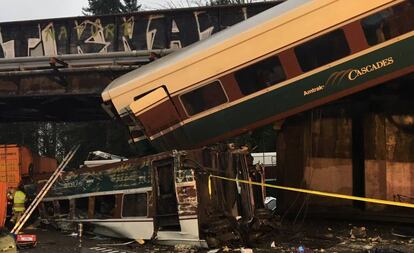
(308, 90)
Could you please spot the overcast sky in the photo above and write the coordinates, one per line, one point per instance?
(13, 10)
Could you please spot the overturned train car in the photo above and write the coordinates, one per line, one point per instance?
(163, 197)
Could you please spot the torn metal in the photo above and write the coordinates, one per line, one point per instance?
(166, 198)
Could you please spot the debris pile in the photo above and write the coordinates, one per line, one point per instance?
(227, 231)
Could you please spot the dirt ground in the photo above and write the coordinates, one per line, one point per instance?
(311, 236)
(53, 241)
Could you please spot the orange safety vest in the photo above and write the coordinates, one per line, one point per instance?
(18, 201)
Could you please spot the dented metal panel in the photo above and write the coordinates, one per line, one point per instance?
(178, 200)
(121, 177)
(186, 191)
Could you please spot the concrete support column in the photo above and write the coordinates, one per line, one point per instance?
(291, 162)
(358, 157)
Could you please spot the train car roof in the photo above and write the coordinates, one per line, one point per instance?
(118, 85)
(123, 89)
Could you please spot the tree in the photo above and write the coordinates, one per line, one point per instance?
(170, 4)
(131, 6)
(227, 2)
(174, 4)
(101, 7)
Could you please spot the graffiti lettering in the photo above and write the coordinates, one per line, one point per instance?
(205, 33)
(128, 32)
(63, 33)
(171, 29)
(175, 44)
(128, 27)
(45, 44)
(95, 37)
(152, 33)
(7, 47)
(110, 31)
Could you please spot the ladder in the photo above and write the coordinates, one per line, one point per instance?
(25, 216)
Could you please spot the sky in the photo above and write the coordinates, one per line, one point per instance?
(15, 10)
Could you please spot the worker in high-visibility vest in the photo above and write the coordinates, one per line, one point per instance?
(19, 200)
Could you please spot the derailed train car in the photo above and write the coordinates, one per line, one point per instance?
(295, 56)
(164, 197)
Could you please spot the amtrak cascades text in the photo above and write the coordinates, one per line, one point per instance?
(354, 74)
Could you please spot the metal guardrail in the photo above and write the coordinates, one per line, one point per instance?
(83, 62)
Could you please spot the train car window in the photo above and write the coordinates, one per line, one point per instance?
(104, 207)
(134, 205)
(81, 208)
(388, 23)
(322, 50)
(204, 98)
(49, 208)
(63, 206)
(260, 75)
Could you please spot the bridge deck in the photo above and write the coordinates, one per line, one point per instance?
(52, 66)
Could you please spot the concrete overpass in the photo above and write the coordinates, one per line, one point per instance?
(55, 69)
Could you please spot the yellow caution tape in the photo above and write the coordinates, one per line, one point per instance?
(319, 193)
(209, 186)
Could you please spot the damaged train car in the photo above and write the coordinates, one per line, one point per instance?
(164, 197)
(259, 71)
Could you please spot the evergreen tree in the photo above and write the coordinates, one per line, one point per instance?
(227, 2)
(101, 7)
(131, 6)
(172, 4)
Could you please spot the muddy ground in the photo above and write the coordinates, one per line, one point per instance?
(312, 236)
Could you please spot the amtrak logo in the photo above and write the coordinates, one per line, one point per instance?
(350, 74)
(353, 74)
(313, 90)
(337, 77)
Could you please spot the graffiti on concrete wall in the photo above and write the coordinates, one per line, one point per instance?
(90, 35)
(146, 31)
(6, 47)
(127, 32)
(202, 34)
(44, 44)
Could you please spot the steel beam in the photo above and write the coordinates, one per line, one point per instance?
(114, 59)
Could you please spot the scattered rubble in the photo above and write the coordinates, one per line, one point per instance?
(7, 243)
(311, 236)
(358, 232)
(185, 248)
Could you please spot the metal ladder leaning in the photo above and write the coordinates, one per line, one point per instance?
(19, 224)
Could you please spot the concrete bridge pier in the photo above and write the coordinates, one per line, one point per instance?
(361, 145)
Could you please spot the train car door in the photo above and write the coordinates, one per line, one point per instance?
(155, 111)
(166, 206)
